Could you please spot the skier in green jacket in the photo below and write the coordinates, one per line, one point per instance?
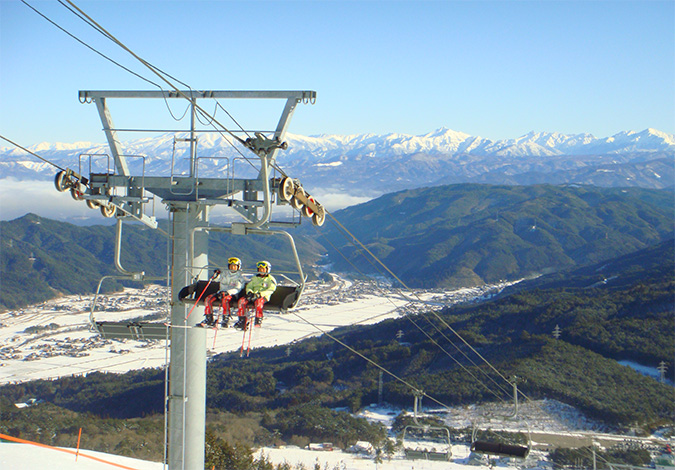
(258, 290)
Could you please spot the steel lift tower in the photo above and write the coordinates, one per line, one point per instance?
(189, 198)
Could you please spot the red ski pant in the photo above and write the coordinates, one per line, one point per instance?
(258, 307)
(225, 299)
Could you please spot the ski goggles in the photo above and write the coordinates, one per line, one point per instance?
(234, 261)
(262, 264)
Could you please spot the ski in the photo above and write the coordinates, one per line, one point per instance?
(215, 330)
(250, 335)
(256, 333)
(243, 339)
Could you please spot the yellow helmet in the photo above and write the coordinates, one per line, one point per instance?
(264, 264)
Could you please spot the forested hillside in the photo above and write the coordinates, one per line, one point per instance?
(459, 235)
(446, 236)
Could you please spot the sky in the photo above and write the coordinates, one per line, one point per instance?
(492, 69)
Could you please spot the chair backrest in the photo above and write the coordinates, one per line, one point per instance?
(193, 291)
(132, 330)
(283, 298)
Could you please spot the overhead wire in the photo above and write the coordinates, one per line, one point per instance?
(213, 116)
(588, 451)
(354, 240)
(32, 153)
(84, 17)
(93, 24)
(107, 35)
(157, 71)
(370, 361)
(210, 117)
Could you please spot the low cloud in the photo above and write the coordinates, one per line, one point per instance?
(18, 198)
(335, 201)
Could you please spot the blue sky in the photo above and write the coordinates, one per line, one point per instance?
(493, 69)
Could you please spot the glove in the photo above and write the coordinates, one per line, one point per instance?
(216, 273)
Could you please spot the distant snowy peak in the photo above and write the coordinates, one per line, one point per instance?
(439, 142)
(444, 141)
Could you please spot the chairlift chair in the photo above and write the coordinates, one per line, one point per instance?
(284, 298)
(424, 442)
(126, 329)
(501, 443)
(427, 443)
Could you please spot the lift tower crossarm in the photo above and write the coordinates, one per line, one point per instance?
(292, 97)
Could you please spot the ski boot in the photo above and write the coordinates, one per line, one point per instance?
(225, 322)
(241, 323)
(258, 322)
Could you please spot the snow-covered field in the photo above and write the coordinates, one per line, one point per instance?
(54, 339)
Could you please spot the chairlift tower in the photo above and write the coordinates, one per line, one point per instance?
(189, 198)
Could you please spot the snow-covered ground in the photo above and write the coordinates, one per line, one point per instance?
(54, 339)
(28, 457)
(15, 456)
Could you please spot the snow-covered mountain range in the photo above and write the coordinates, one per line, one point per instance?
(369, 164)
(448, 142)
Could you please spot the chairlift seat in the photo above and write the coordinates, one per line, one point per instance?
(498, 448)
(131, 330)
(413, 454)
(283, 298)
